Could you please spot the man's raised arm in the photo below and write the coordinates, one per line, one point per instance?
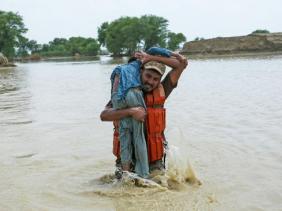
(177, 62)
(176, 72)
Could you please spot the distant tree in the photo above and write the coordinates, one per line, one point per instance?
(263, 31)
(102, 33)
(11, 32)
(33, 47)
(75, 45)
(199, 38)
(132, 31)
(174, 40)
(90, 47)
(58, 41)
(22, 49)
(128, 34)
(45, 48)
(26, 47)
(57, 47)
(154, 31)
(123, 35)
(69, 47)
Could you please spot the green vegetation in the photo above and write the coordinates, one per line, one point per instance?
(128, 34)
(199, 38)
(69, 47)
(263, 31)
(121, 37)
(174, 40)
(154, 31)
(25, 46)
(11, 32)
(13, 43)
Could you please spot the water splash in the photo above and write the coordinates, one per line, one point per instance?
(128, 180)
(179, 168)
(179, 172)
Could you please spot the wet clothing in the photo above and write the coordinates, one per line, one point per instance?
(129, 74)
(129, 77)
(159, 51)
(129, 94)
(131, 133)
(168, 87)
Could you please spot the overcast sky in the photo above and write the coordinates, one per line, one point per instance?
(47, 19)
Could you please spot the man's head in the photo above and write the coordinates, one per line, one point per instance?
(151, 75)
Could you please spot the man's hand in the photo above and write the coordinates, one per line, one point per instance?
(182, 59)
(110, 114)
(142, 56)
(138, 113)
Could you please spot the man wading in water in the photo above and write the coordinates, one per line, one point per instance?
(153, 116)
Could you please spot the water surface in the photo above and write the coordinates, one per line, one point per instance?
(225, 115)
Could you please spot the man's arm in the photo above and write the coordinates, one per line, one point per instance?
(177, 62)
(110, 114)
(176, 72)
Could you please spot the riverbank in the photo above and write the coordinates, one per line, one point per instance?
(232, 55)
(56, 58)
(8, 65)
(257, 44)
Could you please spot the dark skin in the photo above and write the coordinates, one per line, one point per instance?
(150, 80)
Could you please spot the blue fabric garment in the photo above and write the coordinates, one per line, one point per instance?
(129, 74)
(129, 77)
(131, 132)
(159, 51)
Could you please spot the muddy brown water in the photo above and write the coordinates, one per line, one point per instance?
(225, 118)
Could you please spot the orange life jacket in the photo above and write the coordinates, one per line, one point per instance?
(154, 124)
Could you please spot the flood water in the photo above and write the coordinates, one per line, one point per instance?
(225, 116)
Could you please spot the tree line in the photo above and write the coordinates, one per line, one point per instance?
(128, 34)
(120, 37)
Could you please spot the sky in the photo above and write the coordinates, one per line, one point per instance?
(48, 19)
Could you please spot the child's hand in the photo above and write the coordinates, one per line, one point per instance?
(138, 55)
(142, 56)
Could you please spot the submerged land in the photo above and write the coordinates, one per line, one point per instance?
(249, 45)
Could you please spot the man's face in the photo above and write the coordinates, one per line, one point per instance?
(150, 79)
